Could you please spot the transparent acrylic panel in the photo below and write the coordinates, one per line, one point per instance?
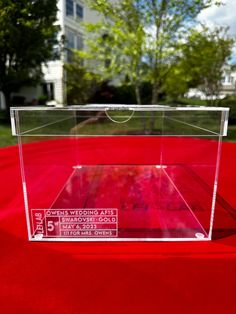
(120, 173)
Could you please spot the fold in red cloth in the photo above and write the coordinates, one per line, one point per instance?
(116, 277)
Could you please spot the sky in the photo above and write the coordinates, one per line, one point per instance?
(224, 15)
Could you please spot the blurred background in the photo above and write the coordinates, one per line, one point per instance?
(73, 52)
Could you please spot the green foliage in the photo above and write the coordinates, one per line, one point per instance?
(117, 42)
(176, 83)
(192, 101)
(200, 63)
(170, 22)
(42, 100)
(122, 94)
(204, 56)
(27, 37)
(230, 102)
(81, 83)
(138, 40)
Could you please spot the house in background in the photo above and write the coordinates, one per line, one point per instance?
(228, 85)
(70, 15)
(228, 82)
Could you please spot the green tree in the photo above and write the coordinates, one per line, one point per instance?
(138, 40)
(169, 21)
(27, 37)
(204, 56)
(81, 84)
(177, 82)
(117, 42)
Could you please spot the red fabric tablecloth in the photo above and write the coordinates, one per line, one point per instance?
(117, 277)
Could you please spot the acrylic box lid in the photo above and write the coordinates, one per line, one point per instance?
(119, 119)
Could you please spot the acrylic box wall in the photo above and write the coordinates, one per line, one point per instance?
(119, 173)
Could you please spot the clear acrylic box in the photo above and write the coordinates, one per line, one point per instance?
(119, 172)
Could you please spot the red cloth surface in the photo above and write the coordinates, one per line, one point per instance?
(107, 277)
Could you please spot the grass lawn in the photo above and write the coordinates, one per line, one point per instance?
(6, 139)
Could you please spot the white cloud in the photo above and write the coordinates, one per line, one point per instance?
(224, 15)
